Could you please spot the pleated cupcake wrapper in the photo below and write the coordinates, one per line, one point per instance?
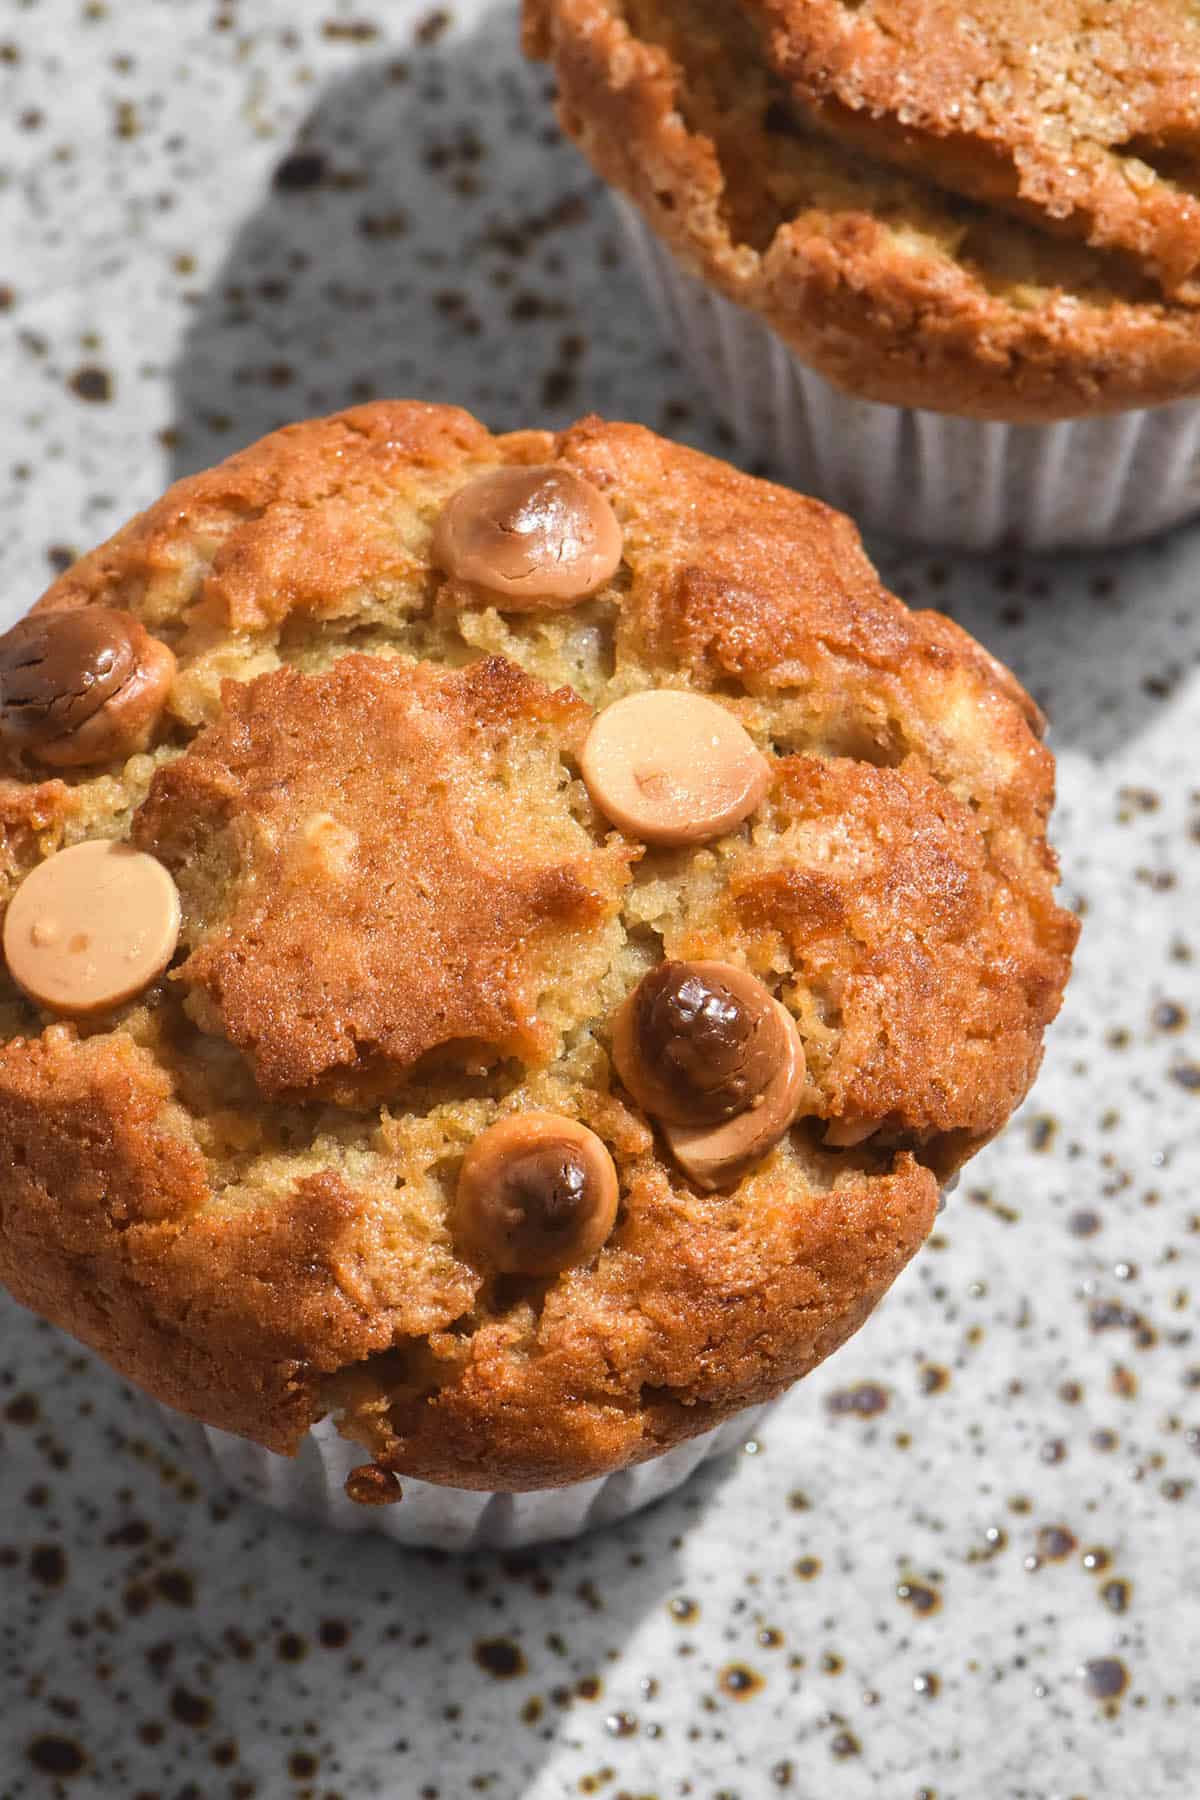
(312, 1486)
(974, 484)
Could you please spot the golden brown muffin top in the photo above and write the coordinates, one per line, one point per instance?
(405, 923)
(990, 209)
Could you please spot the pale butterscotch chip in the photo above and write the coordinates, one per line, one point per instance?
(672, 768)
(714, 1155)
(529, 536)
(91, 927)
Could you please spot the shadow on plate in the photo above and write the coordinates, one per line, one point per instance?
(427, 234)
(253, 1654)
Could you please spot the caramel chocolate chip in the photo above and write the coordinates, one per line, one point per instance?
(369, 1485)
(529, 535)
(698, 1042)
(672, 768)
(81, 686)
(537, 1193)
(91, 927)
(715, 1156)
(844, 1134)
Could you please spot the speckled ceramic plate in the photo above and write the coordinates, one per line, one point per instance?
(963, 1560)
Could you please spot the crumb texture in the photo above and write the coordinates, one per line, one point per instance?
(403, 921)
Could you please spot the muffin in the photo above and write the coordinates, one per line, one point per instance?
(941, 264)
(505, 938)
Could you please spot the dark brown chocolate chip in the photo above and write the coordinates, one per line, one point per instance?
(81, 686)
(547, 1188)
(57, 669)
(537, 1193)
(706, 1042)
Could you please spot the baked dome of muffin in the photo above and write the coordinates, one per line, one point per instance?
(990, 209)
(261, 1186)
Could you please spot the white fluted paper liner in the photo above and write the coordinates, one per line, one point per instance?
(974, 484)
(312, 1486)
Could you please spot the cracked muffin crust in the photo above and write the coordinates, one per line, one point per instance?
(404, 922)
(390, 850)
(990, 210)
(1082, 118)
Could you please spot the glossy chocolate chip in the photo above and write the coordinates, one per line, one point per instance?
(698, 1042)
(58, 668)
(709, 1052)
(529, 536)
(717, 1156)
(81, 686)
(537, 1193)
